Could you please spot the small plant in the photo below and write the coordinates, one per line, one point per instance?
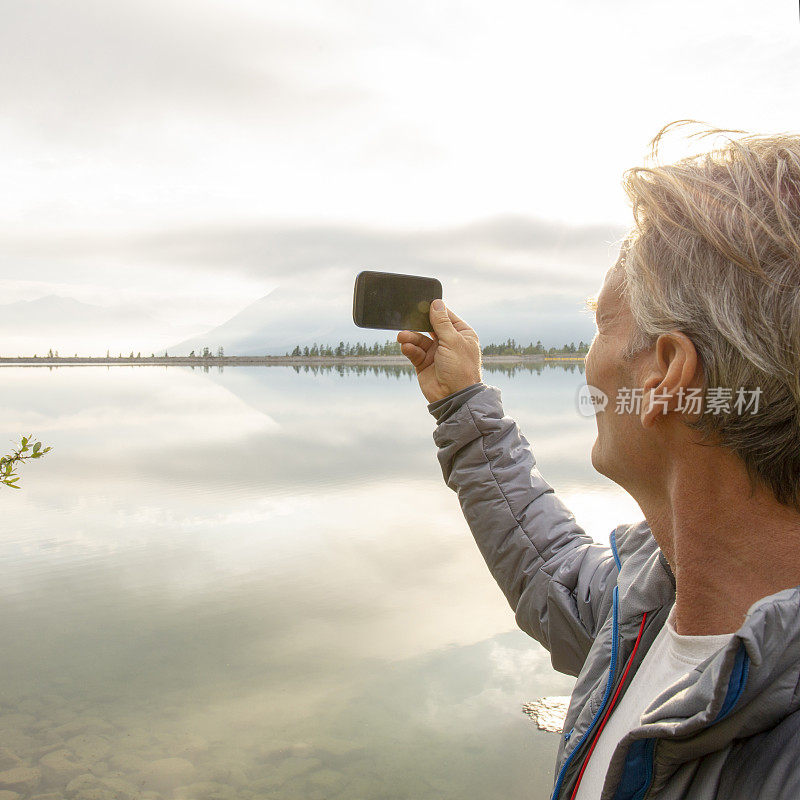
(7, 463)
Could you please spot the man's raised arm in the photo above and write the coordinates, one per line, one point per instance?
(556, 578)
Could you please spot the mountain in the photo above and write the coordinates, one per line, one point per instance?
(272, 325)
(275, 323)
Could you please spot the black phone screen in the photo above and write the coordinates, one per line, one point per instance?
(394, 302)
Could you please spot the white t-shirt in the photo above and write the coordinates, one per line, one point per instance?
(669, 658)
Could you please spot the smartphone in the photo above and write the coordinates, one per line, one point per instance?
(394, 302)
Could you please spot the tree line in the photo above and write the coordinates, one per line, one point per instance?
(392, 348)
(205, 354)
(511, 347)
(389, 348)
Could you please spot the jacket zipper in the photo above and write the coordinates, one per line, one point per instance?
(611, 677)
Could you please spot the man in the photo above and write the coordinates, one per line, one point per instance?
(684, 635)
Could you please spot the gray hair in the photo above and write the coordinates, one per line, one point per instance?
(715, 254)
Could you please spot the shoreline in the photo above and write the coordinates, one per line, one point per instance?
(232, 361)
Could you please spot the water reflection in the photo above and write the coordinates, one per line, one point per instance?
(397, 370)
(255, 584)
(406, 370)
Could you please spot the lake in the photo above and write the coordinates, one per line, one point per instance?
(253, 582)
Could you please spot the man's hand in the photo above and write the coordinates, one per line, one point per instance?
(448, 362)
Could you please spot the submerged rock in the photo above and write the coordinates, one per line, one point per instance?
(326, 779)
(227, 775)
(167, 774)
(277, 750)
(88, 746)
(20, 778)
(17, 721)
(206, 790)
(17, 741)
(86, 724)
(285, 771)
(9, 759)
(127, 762)
(90, 787)
(191, 746)
(61, 766)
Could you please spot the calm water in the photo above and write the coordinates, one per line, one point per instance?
(254, 583)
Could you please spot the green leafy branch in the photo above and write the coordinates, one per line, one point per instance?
(7, 463)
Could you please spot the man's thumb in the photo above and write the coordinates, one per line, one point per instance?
(441, 321)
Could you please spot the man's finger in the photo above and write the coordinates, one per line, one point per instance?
(441, 323)
(416, 355)
(415, 338)
(458, 323)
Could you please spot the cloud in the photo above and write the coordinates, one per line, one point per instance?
(499, 248)
(508, 276)
(76, 71)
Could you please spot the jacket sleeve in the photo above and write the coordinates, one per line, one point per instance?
(557, 579)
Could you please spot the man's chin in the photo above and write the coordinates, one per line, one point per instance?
(605, 467)
(596, 457)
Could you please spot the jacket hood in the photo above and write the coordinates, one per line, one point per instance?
(747, 687)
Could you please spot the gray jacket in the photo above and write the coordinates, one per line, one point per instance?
(728, 729)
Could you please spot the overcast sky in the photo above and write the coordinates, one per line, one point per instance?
(185, 158)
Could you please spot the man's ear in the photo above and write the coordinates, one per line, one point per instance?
(673, 367)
